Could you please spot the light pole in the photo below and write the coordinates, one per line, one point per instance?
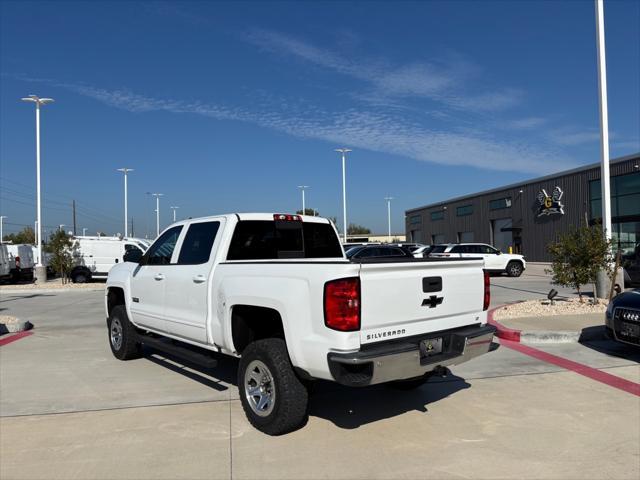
(388, 199)
(344, 152)
(174, 212)
(604, 121)
(157, 195)
(40, 273)
(126, 215)
(303, 188)
(2, 217)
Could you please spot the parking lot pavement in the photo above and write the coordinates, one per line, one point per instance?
(533, 284)
(70, 410)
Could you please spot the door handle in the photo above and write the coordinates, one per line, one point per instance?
(159, 276)
(199, 279)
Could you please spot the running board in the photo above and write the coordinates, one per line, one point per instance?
(184, 353)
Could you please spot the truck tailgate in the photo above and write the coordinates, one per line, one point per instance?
(413, 298)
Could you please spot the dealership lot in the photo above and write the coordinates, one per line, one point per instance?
(70, 410)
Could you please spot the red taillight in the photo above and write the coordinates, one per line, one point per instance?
(286, 217)
(342, 304)
(487, 291)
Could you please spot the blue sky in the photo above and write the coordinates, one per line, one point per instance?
(228, 107)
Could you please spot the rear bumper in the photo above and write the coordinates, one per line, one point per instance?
(404, 359)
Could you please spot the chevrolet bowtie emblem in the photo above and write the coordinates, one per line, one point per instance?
(432, 301)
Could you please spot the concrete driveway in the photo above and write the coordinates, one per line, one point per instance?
(70, 410)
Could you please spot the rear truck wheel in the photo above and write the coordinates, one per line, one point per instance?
(123, 337)
(274, 399)
(514, 269)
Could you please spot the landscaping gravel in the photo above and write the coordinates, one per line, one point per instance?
(533, 308)
(54, 285)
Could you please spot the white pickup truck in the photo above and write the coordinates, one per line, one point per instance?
(277, 291)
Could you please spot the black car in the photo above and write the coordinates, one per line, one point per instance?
(622, 318)
(377, 251)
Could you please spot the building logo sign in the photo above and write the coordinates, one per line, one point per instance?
(550, 204)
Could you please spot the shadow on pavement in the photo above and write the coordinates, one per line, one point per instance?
(225, 371)
(613, 348)
(351, 408)
(26, 297)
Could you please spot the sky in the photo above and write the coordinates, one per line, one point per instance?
(228, 107)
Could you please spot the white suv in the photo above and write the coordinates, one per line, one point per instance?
(494, 260)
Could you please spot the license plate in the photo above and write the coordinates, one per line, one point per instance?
(431, 346)
(630, 330)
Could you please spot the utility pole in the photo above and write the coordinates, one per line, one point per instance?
(174, 212)
(157, 195)
(2, 217)
(74, 217)
(126, 214)
(388, 199)
(132, 234)
(303, 188)
(40, 271)
(344, 152)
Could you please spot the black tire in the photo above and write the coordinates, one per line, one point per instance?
(80, 276)
(514, 269)
(409, 383)
(289, 398)
(128, 347)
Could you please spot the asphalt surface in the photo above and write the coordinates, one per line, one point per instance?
(70, 410)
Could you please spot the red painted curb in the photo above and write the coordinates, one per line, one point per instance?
(14, 337)
(589, 372)
(503, 332)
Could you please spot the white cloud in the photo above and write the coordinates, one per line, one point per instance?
(442, 81)
(361, 129)
(526, 123)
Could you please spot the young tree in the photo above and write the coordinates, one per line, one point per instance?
(62, 250)
(308, 211)
(26, 235)
(354, 229)
(578, 255)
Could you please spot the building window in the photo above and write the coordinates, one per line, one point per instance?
(500, 203)
(415, 219)
(439, 215)
(465, 237)
(625, 209)
(464, 211)
(437, 238)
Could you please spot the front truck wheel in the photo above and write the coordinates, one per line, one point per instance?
(273, 397)
(123, 337)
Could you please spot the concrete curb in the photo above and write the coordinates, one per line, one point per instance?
(16, 327)
(46, 290)
(545, 336)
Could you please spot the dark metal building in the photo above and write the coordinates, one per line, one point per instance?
(527, 216)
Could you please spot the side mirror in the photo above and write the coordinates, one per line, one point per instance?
(498, 252)
(133, 256)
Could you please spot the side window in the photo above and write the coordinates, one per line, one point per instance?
(396, 252)
(459, 249)
(160, 252)
(487, 249)
(196, 247)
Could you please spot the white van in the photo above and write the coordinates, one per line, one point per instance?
(5, 259)
(94, 256)
(22, 254)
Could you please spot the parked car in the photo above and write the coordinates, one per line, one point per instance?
(23, 261)
(423, 251)
(95, 256)
(5, 262)
(349, 246)
(622, 318)
(494, 260)
(277, 291)
(377, 251)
